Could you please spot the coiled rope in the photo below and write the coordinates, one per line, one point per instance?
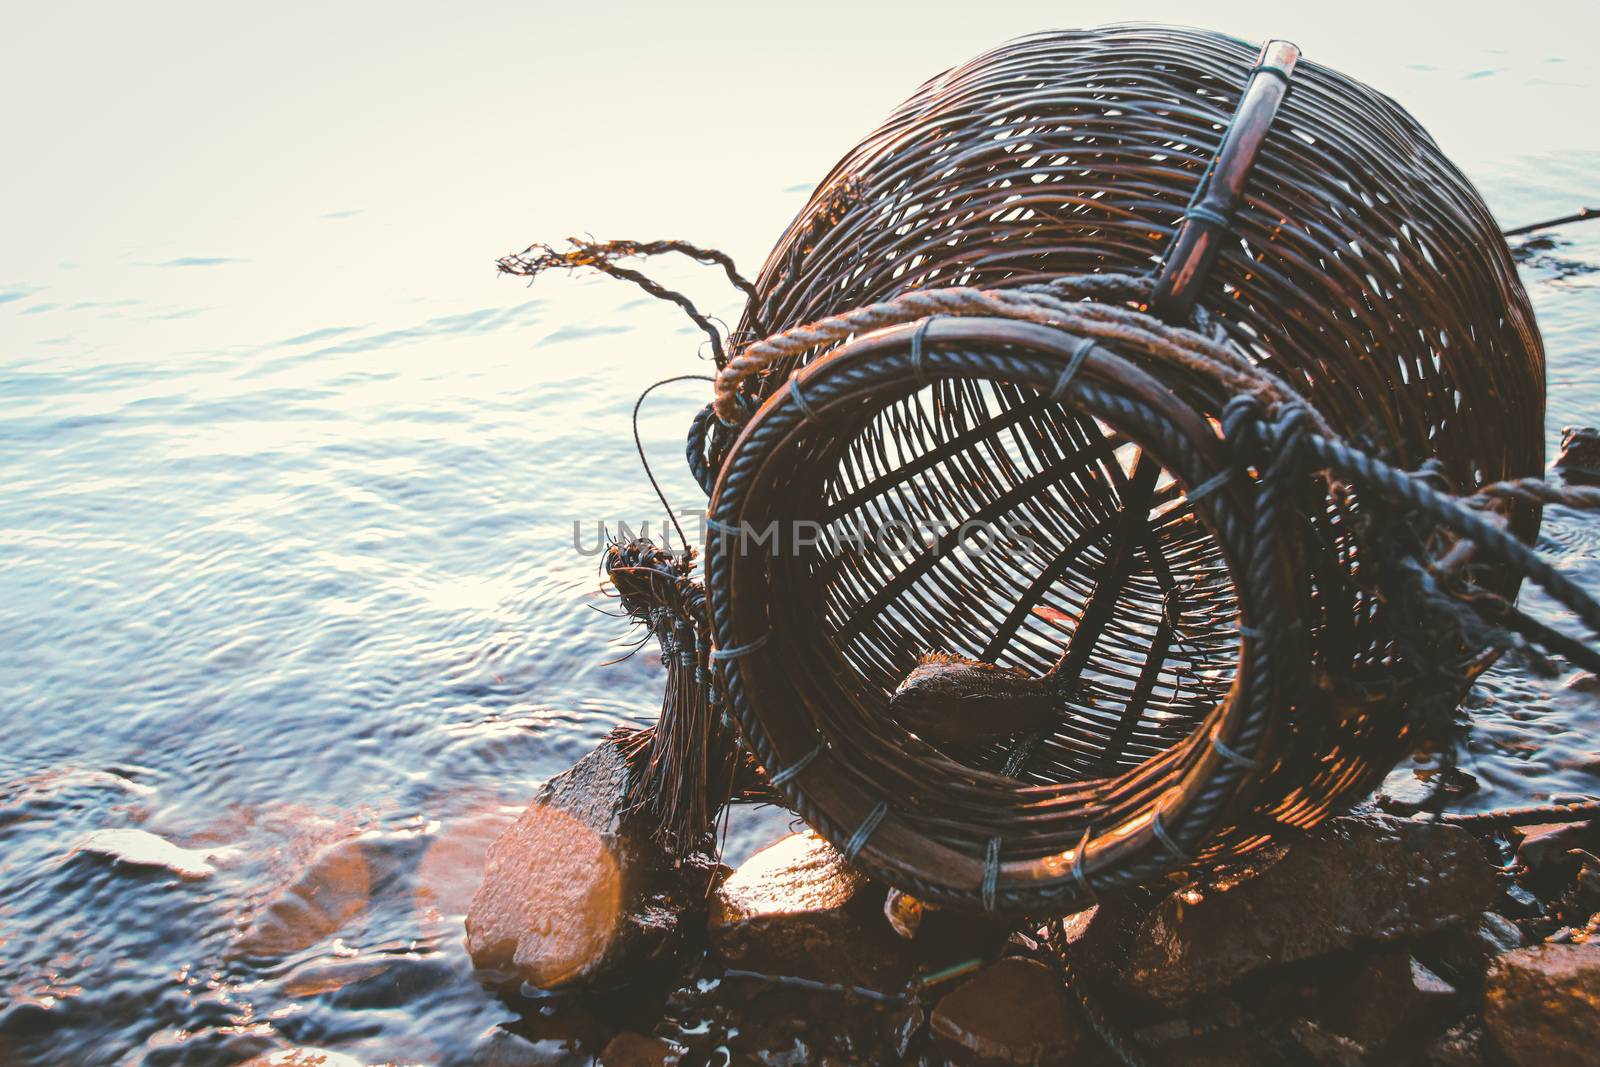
(1074, 303)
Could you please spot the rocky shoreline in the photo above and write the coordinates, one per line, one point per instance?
(1376, 940)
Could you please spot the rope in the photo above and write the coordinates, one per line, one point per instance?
(1072, 303)
(602, 255)
(1403, 488)
(1579, 811)
(1111, 1035)
(1276, 441)
(1538, 491)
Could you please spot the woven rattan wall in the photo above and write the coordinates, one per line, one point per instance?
(1364, 271)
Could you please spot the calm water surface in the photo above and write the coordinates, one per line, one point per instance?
(304, 598)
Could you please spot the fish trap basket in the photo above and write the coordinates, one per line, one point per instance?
(1056, 492)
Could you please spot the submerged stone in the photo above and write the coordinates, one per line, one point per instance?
(329, 896)
(574, 889)
(631, 1049)
(451, 869)
(1369, 879)
(1542, 1005)
(1016, 1011)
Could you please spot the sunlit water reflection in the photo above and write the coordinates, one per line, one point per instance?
(311, 610)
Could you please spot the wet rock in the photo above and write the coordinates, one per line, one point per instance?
(1016, 1011)
(1519, 903)
(406, 980)
(319, 977)
(1463, 954)
(1220, 1048)
(1411, 790)
(1459, 1046)
(796, 909)
(1582, 897)
(1328, 1049)
(1546, 851)
(451, 869)
(502, 1048)
(1378, 1009)
(631, 1049)
(906, 1026)
(1542, 1005)
(1165, 1032)
(1579, 460)
(141, 848)
(574, 890)
(1371, 879)
(785, 1026)
(186, 1047)
(329, 896)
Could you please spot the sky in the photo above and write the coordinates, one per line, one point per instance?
(192, 178)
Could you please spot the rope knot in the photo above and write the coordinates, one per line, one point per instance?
(1242, 425)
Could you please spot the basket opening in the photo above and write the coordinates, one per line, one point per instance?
(976, 518)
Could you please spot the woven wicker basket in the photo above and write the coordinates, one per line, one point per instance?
(1355, 263)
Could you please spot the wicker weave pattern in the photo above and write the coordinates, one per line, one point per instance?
(1367, 275)
(1368, 267)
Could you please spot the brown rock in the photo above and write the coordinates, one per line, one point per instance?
(630, 1049)
(1542, 1005)
(1582, 897)
(1016, 1011)
(502, 1048)
(1376, 1009)
(1547, 853)
(1220, 1048)
(573, 890)
(1370, 879)
(1165, 1032)
(780, 1025)
(796, 909)
(451, 868)
(1459, 1046)
(330, 896)
(1328, 1049)
(1463, 954)
(1580, 454)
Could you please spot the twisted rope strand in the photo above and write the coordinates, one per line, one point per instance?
(1060, 303)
